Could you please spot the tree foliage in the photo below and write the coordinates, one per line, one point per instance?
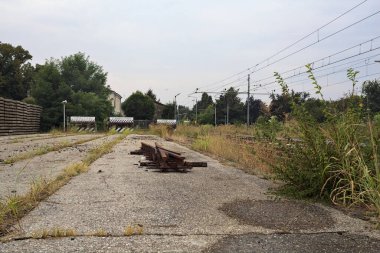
(139, 106)
(231, 103)
(76, 79)
(371, 91)
(168, 111)
(257, 108)
(280, 105)
(150, 94)
(16, 73)
(205, 101)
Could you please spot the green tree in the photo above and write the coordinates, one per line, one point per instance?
(83, 75)
(205, 101)
(257, 108)
(49, 91)
(168, 112)
(280, 106)
(184, 113)
(139, 106)
(207, 116)
(315, 107)
(16, 73)
(371, 91)
(89, 104)
(150, 94)
(229, 101)
(76, 79)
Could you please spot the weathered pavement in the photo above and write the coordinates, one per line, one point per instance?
(17, 178)
(214, 209)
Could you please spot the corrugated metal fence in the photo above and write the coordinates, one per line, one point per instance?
(18, 118)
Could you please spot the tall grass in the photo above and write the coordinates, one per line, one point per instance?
(225, 143)
(338, 159)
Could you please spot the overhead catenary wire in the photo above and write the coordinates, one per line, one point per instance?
(323, 65)
(295, 43)
(303, 48)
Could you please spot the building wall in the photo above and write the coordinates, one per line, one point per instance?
(116, 102)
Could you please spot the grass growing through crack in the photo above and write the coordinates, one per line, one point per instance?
(15, 207)
(46, 149)
(100, 233)
(133, 230)
(54, 232)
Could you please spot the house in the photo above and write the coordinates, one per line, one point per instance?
(115, 99)
(158, 109)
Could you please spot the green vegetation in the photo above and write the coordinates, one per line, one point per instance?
(338, 158)
(16, 72)
(318, 148)
(76, 79)
(139, 106)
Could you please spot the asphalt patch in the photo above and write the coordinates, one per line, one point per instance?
(282, 215)
(322, 242)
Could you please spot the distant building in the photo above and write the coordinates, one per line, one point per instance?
(115, 99)
(158, 109)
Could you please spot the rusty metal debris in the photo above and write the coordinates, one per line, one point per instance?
(164, 159)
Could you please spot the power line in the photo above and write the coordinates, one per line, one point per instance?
(325, 75)
(346, 81)
(324, 65)
(293, 44)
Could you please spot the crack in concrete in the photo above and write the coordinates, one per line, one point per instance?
(339, 232)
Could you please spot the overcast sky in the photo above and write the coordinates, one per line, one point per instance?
(176, 46)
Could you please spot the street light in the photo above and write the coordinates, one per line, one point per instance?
(196, 108)
(175, 106)
(378, 61)
(64, 102)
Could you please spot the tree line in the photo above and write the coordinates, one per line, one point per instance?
(83, 83)
(74, 78)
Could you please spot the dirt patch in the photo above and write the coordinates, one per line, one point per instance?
(324, 242)
(283, 215)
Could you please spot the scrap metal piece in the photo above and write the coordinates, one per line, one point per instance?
(162, 158)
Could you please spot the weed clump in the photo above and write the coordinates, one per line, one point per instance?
(337, 159)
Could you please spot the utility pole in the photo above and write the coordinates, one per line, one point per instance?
(228, 113)
(215, 115)
(248, 100)
(64, 102)
(175, 106)
(196, 111)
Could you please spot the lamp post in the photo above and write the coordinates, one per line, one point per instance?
(64, 102)
(175, 106)
(196, 108)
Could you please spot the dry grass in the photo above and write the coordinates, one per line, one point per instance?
(15, 207)
(46, 149)
(133, 230)
(100, 233)
(54, 232)
(253, 157)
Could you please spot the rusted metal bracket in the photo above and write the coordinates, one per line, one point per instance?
(164, 159)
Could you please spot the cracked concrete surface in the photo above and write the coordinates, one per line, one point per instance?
(183, 212)
(17, 178)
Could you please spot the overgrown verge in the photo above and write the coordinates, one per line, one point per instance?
(236, 144)
(337, 159)
(46, 149)
(14, 208)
